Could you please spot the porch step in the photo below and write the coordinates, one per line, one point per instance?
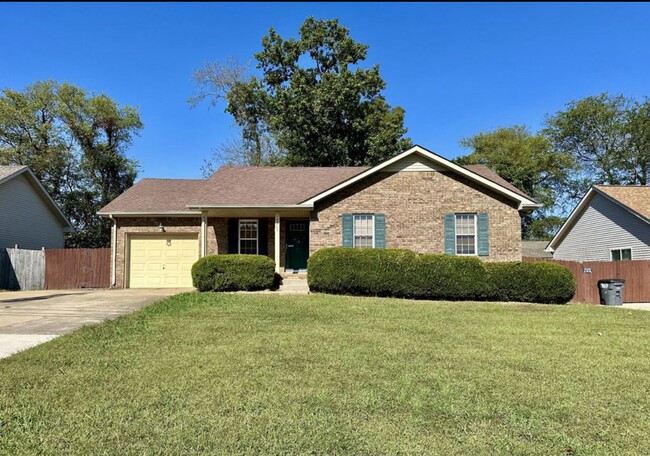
(294, 286)
(292, 275)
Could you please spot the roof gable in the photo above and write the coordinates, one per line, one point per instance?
(10, 172)
(476, 173)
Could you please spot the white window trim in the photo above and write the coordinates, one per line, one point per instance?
(611, 251)
(354, 229)
(257, 238)
(475, 234)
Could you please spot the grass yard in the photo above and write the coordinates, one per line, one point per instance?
(261, 373)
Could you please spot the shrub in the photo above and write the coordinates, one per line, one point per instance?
(233, 273)
(405, 274)
(396, 273)
(448, 277)
(370, 272)
(542, 282)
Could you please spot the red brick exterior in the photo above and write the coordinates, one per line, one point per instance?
(414, 204)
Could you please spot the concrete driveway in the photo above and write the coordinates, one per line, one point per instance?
(29, 318)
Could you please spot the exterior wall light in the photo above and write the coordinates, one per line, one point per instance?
(161, 227)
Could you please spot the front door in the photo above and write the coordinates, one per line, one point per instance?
(297, 233)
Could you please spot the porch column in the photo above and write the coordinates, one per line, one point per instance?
(204, 233)
(277, 242)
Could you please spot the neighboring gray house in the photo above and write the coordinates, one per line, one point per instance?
(610, 223)
(28, 215)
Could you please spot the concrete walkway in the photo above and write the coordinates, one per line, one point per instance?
(292, 285)
(637, 305)
(29, 318)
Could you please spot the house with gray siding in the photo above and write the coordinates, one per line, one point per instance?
(610, 223)
(29, 217)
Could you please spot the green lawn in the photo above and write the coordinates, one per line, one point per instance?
(268, 374)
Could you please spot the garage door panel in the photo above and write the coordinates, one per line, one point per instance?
(162, 261)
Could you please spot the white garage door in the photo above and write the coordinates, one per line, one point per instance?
(165, 261)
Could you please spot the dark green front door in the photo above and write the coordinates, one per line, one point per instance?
(297, 233)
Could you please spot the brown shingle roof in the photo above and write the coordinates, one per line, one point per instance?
(157, 195)
(487, 173)
(266, 185)
(635, 197)
(6, 171)
(235, 185)
(247, 185)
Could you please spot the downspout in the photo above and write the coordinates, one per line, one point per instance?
(113, 248)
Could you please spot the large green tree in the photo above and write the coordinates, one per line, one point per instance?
(528, 162)
(609, 138)
(76, 144)
(314, 98)
(32, 134)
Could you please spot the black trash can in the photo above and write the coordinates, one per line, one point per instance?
(611, 291)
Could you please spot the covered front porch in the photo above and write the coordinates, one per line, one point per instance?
(282, 233)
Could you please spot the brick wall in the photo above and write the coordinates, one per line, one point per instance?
(415, 204)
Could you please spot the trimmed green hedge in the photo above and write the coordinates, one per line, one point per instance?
(233, 273)
(542, 282)
(405, 274)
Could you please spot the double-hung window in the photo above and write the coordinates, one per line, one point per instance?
(465, 234)
(248, 232)
(364, 231)
(621, 254)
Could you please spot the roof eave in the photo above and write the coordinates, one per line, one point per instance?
(529, 207)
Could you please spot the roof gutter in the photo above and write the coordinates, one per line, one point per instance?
(249, 206)
(109, 215)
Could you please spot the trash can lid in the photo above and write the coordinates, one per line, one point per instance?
(611, 281)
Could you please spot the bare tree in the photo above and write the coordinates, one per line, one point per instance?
(220, 82)
(215, 80)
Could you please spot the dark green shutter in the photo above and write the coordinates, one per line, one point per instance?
(450, 234)
(233, 235)
(348, 232)
(380, 231)
(483, 234)
(263, 237)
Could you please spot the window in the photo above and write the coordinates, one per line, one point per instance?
(465, 234)
(364, 231)
(248, 237)
(621, 254)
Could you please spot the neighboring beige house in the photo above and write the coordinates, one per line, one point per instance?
(416, 200)
(29, 217)
(610, 223)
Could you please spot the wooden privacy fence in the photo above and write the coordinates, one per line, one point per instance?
(22, 269)
(636, 274)
(77, 268)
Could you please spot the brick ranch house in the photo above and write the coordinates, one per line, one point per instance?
(416, 200)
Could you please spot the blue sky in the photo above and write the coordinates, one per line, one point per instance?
(457, 69)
